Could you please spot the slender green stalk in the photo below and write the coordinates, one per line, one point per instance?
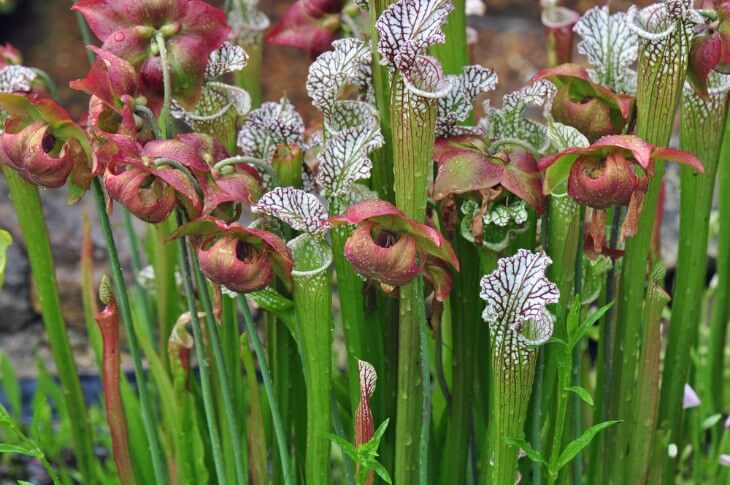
(164, 120)
(249, 78)
(281, 440)
(28, 208)
(255, 420)
(661, 74)
(382, 174)
(312, 291)
(721, 304)
(122, 297)
(203, 362)
(466, 315)
(453, 53)
(220, 368)
(647, 399)
(413, 119)
(701, 134)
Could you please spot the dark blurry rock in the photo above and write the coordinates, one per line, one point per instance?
(15, 306)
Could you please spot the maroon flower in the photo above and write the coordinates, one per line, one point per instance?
(44, 145)
(392, 248)
(613, 171)
(711, 50)
(559, 23)
(192, 30)
(149, 189)
(115, 89)
(465, 166)
(591, 108)
(9, 55)
(239, 258)
(309, 25)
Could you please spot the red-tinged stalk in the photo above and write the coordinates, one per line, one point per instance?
(108, 321)
(413, 123)
(647, 395)
(364, 425)
(721, 304)
(661, 73)
(701, 134)
(26, 201)
(312, 291)
(558, 22)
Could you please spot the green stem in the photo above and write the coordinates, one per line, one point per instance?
(701, 134)
(203, 362)
(28, 208)
(312, 291)
(453, 53)
(647, 400)
(256, 162)
(281, 440)
(413, 119)
(120, 288)
(466, 315)
(382, 174)
(721, 303)
(249, 78)
(661, 74)
(220, 367)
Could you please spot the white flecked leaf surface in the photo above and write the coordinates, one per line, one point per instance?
(516, 294)
(302, 211)
(267, 127)
(458, 103)
(227, 58)
(16, 78)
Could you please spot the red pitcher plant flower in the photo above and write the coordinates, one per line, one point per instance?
(390, 247)
(43, 144)
(191, 30)
(150, 180)
(241, 259)
(310, 25)
(592, 108)
(711, 49)
(614, 171)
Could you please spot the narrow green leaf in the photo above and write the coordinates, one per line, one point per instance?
(10, 380)
(575, 446)
(588, 323)
(582, 393)
(347, 447)
(22, 450)
(711, 421)
(382, 472)
(573, 320)
(5, 242)
(531, 452)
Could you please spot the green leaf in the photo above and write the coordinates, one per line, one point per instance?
(575, 446)
(5, 241)
(582, 393)
(371, 447)
(347, 447)
(588, 323)
(382, 472)
(573, 320)
(711, 421)
(23, 482)
(531, 452)
(10, 385)
(22, 450)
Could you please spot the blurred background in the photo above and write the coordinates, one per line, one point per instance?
(510, 40)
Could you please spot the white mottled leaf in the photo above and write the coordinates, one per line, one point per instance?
(302, 211)
(562, 137)
(509, 121)
(16, 78)
(227, 58)
(349, 114)
(344, 159)
(267, 127)
(458, 103)
(368, 379)
(347, 63)
(516, 294)
(407, 27)
(610, 46)
(425, 77)
(658, 21)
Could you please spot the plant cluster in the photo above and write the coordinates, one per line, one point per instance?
(500, 277)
